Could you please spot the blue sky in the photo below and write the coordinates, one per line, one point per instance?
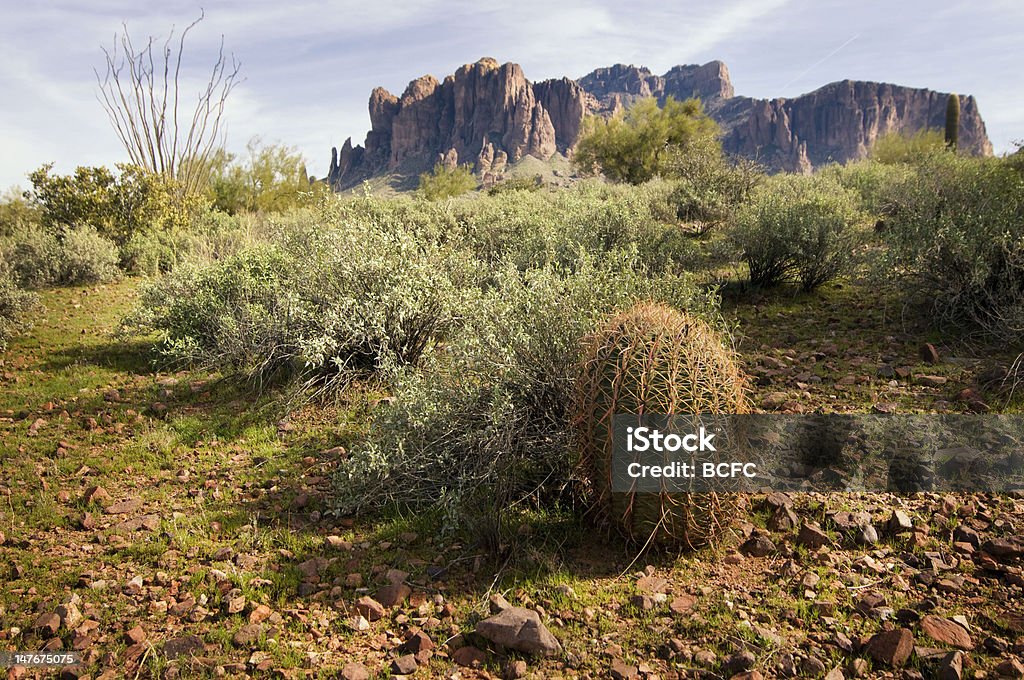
(309, 65)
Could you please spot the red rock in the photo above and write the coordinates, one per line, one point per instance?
(259, 614)
(470, 657)
(393, 595)
(929, 354)
(892, 647)
(947, 632)
(682, 604)
(135, 635)
(370, 608)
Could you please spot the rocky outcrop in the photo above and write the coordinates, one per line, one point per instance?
(483, 111)
(838, 122)
(489, 115)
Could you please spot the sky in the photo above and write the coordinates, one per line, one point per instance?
(309, 65)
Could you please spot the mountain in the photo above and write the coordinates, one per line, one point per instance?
(489, 115)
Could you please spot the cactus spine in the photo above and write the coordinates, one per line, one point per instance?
(653, 359)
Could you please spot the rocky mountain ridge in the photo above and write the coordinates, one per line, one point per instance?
(488, 115)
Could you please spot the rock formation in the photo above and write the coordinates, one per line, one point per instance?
(490, 115)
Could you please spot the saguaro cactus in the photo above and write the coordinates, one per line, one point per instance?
(952, 121)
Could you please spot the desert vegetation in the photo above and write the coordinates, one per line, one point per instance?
(422, 382)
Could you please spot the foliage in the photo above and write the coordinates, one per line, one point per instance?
(482, 430)
(17, 214)
(116, 206)
(641, 143)
(271, 178)
(325, 300)
(523, 183)
(15, 305)
(952, 136)
(798, 227)
(956, 233)
(709, 186)
(444, 182)
(88, 257)
(653, 359)
(871, 180)
(900, 147)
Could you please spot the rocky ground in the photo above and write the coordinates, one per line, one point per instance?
(171, 525)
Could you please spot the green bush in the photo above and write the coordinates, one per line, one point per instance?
(325, 300)
(116, 206)
(444, 182)
(17, 214)
(482, 430)
(88, 257)
(35, 257)
(956, 232)
(15, 305)
(913, 148)
(640, 143)
(872, 181)
(533, 183)
(797, 227)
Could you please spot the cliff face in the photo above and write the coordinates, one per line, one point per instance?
(839, 122)
(487, 115)
(483, 113)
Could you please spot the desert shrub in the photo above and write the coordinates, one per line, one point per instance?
(956, 232)
(16, 214)
(444, 182)
(798, 227)
(533, 183)
(15, 306)
(708, 184)
(269, 178)
(324, 300)
(88, 257)
(872, 181)
(35, 257)
(482, 430)
(911, 148)
(116, 206)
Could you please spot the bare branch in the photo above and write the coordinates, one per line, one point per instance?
(140, 93)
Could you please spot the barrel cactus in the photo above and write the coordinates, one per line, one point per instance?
(653, 359)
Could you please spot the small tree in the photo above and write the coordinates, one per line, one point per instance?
(643, 142)
(140, 91)
(445, 182)
(272, 178)
(952, 121)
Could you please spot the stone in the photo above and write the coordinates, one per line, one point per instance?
(947, 632)
(337, 543)
(69, 615)
(393, 595)
(899, 522)
(835, 674)
(812, 536)
(96, 494)
(758, 546)
(519, 629)
(186, 645)
(404, 665)
(416, 642)
(370, 608)
(1010, 668)
(931, 380)
(497, 603)
(260, 613)
(247, 635)
(892, 647)
(620, 670)
(354, 671)
(234, 602)
(929, 354)
(46, 624)
(681, 604)
(124, 507)
(952, 666)
(470, 657)
(134, 636)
